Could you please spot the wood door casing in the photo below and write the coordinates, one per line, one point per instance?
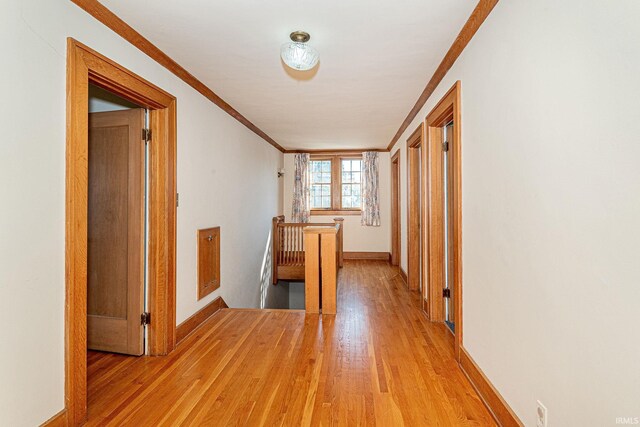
(415, 247)
(395, 209)
(446, 111)
(86, 66)
(115, 232)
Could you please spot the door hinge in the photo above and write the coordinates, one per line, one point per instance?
(146, 135)
(445, 146)
(177, 200)
(145, 318)
(446, 293)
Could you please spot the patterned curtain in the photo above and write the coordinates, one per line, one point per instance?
(370, 191)
(300, 210)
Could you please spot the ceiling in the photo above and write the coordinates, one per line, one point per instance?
(376, 56)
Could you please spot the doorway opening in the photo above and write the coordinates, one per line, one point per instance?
(445, 214)
(86, 67)
(395, 209)
(116, 232)
(415, 214)
(447, 187)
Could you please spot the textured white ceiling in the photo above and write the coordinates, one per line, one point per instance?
(376, 56)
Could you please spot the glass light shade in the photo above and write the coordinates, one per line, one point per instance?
(299, 56)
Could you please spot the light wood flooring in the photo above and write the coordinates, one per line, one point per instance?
(379, 361)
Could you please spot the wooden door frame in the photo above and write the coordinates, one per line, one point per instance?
(415, 214)
(85, 66)
(446, 110)
(396, 203)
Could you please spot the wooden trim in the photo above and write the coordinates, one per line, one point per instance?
(275, 247)
(416, 137)
(311, 271)
(268, 310)
(58, 420)
(124, 30)
(340, 240)
(86, 66)
(333, 152)
(396, 203)
(290, 272)
(436, 224)
(478, 16)
(415, 214)
(162, 230)
(446, 110)
(76, 205)
(495, 403)
(402, 274)
(329, 271)
(346, 212)
(380, 256)
(198, 318)
(336, 183)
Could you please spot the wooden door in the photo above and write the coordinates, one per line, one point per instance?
(115, 232)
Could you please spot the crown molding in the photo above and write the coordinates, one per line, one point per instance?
(337, 151)
(124, 30)
(478, 16)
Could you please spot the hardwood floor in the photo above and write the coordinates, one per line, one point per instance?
(377, 362)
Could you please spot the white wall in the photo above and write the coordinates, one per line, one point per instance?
(551, 230)
(226, 177)
(356, 237)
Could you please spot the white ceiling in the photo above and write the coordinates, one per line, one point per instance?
(376, 56)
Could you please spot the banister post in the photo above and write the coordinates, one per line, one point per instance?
(329, 260)
(320, 268)
(339, 242)
(311, 270)
(274, 248)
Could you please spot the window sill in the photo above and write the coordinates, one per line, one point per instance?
(315, 212)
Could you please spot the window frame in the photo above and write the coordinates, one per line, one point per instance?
(336, 184)
(331, 187)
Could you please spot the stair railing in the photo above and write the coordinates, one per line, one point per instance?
(288, 250)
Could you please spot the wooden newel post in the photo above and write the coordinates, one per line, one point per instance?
(340, 240)
(328, 258)
(320, 261)
(311, 270)
(275, 246)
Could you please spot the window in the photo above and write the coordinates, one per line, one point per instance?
(351, 183)
(335, 184)
(320, 184)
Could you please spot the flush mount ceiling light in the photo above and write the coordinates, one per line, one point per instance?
(297, 54)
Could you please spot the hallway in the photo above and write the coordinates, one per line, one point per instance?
(379, 362)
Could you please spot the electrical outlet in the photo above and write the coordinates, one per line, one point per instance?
(541, 415)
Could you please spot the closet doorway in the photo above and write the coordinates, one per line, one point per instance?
(86, 67)
(444, 176)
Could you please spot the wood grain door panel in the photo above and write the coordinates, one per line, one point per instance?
(115, 232)
(208, 261)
